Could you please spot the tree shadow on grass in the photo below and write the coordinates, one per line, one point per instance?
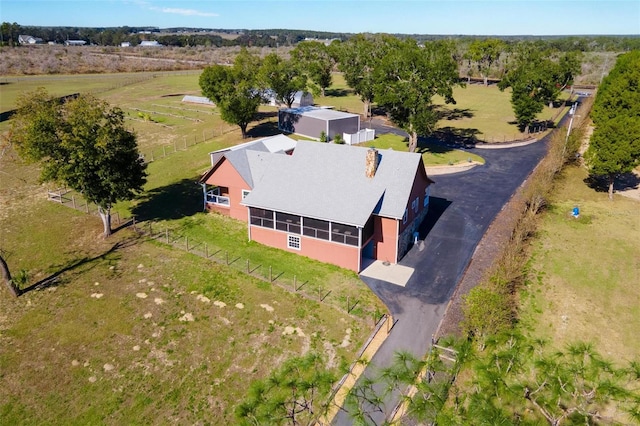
(623, 182)
(454, 114)
(262, 130)
(174, 201)
(337, 93)
(85, 263)
(450, 138)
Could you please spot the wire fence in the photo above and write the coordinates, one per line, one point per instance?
(259, 270)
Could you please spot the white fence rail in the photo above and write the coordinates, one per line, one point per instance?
(363, 135)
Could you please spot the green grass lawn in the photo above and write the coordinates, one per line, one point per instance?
(584, 281)
(144, 333)
(57, 345)
(432, 154)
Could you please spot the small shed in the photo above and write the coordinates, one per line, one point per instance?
(312, 121)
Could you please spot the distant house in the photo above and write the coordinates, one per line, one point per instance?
(27, 39)
(150, 43)
(125, 44)
(75, 42)
(300, 99)
(338, 204)
(311, 122)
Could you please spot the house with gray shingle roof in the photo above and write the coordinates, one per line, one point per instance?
(335, 203)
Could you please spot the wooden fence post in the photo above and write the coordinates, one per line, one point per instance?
(227, 256)
(86, 205)
(294, 284)
(186, 239)
(175, 147)
(164, 151)
(270, 280)
(73, 200)
(166, 234)
(118, 217)
(134, 222)
(206, 251)
(247, 266)
(152, 156)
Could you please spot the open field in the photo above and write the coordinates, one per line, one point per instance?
(141, 332)
(127, 348)
(58, 345)
(585, 272)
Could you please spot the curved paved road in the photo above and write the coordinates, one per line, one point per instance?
(463, 205)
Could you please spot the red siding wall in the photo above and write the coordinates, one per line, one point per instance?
(325, 251)
(226, 175)
(420, 183)
(385, 233)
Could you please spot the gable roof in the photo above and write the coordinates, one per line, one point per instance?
(245, 158)
(325, 114)
(328, 182)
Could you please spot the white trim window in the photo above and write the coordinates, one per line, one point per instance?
(293, 242)
(245, 192)
(427, 191)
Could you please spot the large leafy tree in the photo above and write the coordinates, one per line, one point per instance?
(485, 53)
(536, 77)
(406, 80)
(284, 77)
(234, 89)
(81, 143)
(614, 147)
(315, 59)
(358, 59)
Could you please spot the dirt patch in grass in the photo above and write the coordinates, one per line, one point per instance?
(128, 357)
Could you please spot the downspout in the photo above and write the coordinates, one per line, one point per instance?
(204, 194)
(359, 249)
(249, 223)
(397, 239)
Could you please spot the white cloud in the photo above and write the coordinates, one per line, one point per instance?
(184, 12)
(173, 10)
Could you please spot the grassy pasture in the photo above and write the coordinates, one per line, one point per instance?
(141, 310)
(53, 352)
(585, 271)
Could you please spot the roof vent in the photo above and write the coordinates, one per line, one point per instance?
(371, 164)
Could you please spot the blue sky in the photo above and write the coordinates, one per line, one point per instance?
(470, 17)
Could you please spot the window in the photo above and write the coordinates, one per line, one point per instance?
(293, 242)
(288, 222)
(427, 190)
(404, 218)
(261, 217)
(345, 234)
(245, 192)
(414, 205)
(316, 228)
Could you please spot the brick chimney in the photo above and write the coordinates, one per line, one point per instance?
(371, 163)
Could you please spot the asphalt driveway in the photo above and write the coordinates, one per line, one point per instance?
(463, 205)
